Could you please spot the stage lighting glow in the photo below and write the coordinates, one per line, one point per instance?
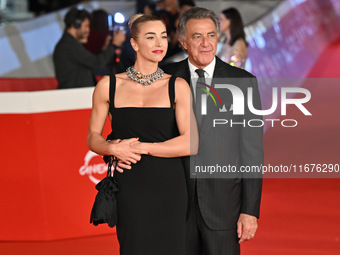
(119, 18)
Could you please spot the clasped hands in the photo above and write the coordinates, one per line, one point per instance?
(128, 151)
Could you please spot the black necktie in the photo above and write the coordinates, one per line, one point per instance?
(199, 92)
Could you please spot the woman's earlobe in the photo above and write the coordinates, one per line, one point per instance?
(134, 44)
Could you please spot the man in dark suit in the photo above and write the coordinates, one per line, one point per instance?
(224, 209)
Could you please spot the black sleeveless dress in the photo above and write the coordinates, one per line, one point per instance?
(152, 198)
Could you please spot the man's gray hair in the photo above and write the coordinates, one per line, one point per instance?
(195, 13)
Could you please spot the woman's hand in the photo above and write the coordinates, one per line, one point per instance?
(138, 145)
(121, 166)
(127, 152)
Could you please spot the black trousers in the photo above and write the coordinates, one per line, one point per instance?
(201, 240)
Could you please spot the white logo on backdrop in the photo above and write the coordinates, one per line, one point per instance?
(91, 169)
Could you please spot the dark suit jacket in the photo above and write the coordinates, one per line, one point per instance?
(221, 200)
(74, 64)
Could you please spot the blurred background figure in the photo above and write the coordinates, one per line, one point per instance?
(150, 8)
(234, 46)
(168, 11)
(100, 38)
(185, 5)
(73, 63)
(174, 43)
(177, 53)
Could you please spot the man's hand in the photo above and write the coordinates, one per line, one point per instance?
(246, 227)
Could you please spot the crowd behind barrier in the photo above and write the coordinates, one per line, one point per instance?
(28, 57)
(49, 175)
(281, 44)
(27, 46)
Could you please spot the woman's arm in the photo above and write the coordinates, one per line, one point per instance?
(187, 142)
(95, 141)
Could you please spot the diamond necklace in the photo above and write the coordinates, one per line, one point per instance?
(138, 76)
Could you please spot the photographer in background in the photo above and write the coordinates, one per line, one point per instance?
(74, 64)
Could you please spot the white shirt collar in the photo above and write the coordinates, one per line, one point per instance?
(209, 69)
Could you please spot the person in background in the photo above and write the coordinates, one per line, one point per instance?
(174, 44)
(179, 53)
(234, 49)
(74, 64)
(184, 5)
(168, 11)
(150, 8)
(99, 39)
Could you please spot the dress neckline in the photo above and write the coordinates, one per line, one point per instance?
(171, 93)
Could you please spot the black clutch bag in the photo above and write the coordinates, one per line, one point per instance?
(104, 209)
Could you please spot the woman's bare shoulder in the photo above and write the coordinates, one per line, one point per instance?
(182, 88)
(103, 83)
(102, 88)
(181, 83)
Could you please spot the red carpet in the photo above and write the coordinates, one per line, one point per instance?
(298, 216)
(302, 216)
(103, 245)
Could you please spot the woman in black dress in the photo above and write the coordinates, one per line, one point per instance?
(153, 126)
